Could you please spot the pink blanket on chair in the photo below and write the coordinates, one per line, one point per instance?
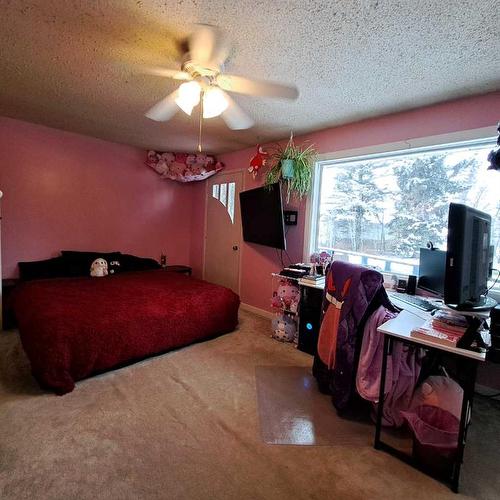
(403, 370)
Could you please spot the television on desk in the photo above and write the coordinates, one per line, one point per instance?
(467, 258)
(262, 216)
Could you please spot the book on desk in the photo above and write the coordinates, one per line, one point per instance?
(443, 327)
(428, 331)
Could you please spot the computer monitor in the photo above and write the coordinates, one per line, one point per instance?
(467, 258)
(431, 270)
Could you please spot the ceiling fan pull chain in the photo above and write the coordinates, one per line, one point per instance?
(201, 124)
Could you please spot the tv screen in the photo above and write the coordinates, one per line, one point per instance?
(262, 216)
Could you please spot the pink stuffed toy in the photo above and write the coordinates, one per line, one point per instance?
(153, 157)
(162, 168)
(286, 296)
(191, 160)
(177, 171)
(168, 158)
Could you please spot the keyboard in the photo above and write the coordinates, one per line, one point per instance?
(414, 300)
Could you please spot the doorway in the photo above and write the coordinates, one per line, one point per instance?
(223, 230)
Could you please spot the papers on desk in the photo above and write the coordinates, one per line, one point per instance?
(444, 328)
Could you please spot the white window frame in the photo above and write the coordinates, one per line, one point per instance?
(437, 142)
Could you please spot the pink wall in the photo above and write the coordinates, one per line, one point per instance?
(464, 114)
(67, 191)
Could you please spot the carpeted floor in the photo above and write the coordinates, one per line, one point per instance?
(186, 425)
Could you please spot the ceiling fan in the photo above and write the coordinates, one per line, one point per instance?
(206, 84)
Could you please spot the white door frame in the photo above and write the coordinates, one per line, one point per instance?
(229, 172)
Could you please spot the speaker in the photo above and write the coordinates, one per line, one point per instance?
(311, 300)
(411, 285)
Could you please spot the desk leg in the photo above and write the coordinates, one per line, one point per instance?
(381, 396)
(469, 382)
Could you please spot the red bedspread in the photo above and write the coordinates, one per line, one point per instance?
(74, 327)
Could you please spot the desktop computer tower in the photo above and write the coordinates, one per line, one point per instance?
(311, 300)
(494, 351)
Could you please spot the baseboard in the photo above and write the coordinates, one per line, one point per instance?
(257, 310)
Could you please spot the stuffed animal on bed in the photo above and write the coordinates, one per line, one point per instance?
(99, 268)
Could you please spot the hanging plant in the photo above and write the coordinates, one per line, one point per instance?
(292, 165)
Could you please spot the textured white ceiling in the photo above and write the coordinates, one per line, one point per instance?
(73, 64)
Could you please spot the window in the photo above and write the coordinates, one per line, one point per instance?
(225, 193)
(230, 200)
(379, 210)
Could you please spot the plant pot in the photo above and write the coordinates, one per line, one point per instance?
(287, 169)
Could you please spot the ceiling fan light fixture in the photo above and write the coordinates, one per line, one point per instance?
(214, 102)
(188, 96)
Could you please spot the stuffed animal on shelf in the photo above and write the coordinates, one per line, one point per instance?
(183, 167)
(284, 328)
(286, 296)
(258, 161)
(99, 268)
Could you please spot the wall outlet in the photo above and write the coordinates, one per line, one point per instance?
(290, 217)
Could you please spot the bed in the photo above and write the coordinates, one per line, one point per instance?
(72, 328)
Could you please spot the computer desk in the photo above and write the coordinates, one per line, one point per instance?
(399, 329)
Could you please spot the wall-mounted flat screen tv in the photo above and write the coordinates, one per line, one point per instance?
(262, 216)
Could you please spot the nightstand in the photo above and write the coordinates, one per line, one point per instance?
(179, 269)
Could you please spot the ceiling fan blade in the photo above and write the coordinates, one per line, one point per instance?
(167, 73)
(241, 85)
(235, 117)
(165, 109)
(202, 43)
(221, 48)
(208, 46)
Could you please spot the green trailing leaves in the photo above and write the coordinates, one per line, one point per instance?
(303, 160)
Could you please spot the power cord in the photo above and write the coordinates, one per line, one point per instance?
(288, 256)
(280, 257)
(495, 282)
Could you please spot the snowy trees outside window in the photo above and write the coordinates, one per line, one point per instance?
(384, 209)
